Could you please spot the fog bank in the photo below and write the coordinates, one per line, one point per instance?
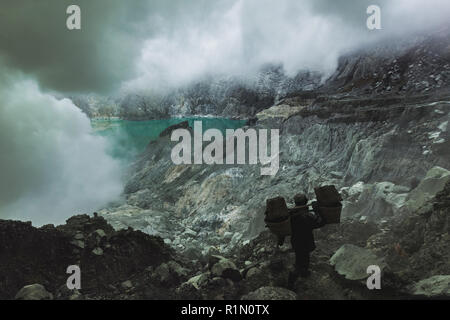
(51, 165)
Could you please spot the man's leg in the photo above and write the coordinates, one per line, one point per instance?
(280, 240)
(302, 263)
(293, 275)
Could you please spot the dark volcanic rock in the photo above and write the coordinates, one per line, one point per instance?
(31, 255)
(418, 245)
(413, 65)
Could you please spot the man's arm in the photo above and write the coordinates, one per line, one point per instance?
(317, 220)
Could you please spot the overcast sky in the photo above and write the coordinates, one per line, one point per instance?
(149, 42)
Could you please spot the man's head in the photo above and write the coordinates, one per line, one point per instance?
(300, 200)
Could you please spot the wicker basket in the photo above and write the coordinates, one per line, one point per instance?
(282, 228)
(327, 196)
(331, 214)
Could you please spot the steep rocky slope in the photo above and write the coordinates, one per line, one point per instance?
(400, 66)
(417, 245)
(376, 154)
(222, 96)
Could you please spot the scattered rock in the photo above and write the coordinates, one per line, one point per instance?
(199, 280)
(252, 272)
(100, 233)
(352, 261)
(34, 292)
(187, 291)
(248, 263)
(170, 273)
(41, 255)
(434, 181)
(382, 199)
(78, 243)
(162, 273)
(433, 287)
(222, 267)
(127, 284)
(271, 293)
(98, 251)
(79, 236)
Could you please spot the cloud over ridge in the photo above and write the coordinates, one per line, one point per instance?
(151, 43)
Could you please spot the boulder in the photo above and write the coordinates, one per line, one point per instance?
(79, 236)
(381, 199)
(170, 272)
(225, 268)
(127, 284)
(254, 271)
(100, 233)
(271, 293)
(97, 251)
(199, 280)
(352, 261)
(187, 291)
(433, 287)
(34, 292)
(162, 273)
(177, 269)
(434, 181)
(78, 243)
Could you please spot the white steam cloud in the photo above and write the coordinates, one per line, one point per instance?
(51, 165)
(237, 37)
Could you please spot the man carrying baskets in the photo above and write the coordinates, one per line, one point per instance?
(299, 223)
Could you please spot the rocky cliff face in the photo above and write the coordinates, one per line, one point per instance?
(418, 65)
(229, 97)
(401, 66)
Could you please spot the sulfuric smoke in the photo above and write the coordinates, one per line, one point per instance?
(52, 166)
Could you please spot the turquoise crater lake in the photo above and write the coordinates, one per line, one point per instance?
(126, 139)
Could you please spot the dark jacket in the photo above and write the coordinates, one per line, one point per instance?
(302, 224)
